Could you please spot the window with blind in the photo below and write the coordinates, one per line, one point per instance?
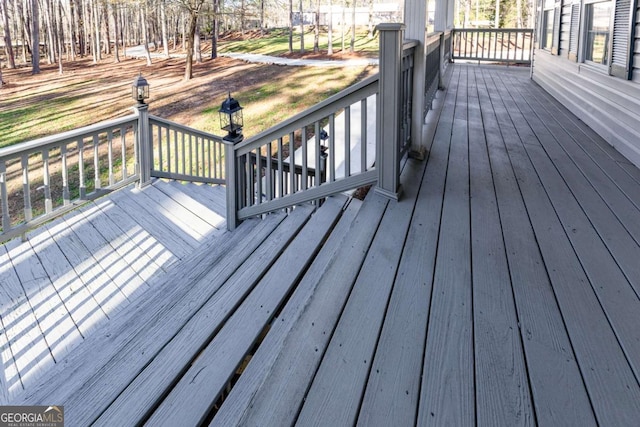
(607, 35)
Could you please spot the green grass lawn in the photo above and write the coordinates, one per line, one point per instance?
(276, 42)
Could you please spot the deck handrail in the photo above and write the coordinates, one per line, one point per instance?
(506, 45)
(262, 181)
(184, 153)
(43, 178)
(322, 151)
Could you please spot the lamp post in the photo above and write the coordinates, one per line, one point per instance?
(140, 92)
(231, 119)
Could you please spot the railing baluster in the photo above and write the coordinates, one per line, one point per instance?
(332, 147)
(96, 163)
(316, 130)
(292, 164)
(176, 154)
(347, 141)
(26, 188)
(363, 135)
(82, 186)
(110, 155)
(258, 175)
(281, 177)
(160, 149)
(65, 175)
(305, 172)
(249, 180)
(4, 197)
(268, 175)
(123, 153)
(46, 180)
(183, 154)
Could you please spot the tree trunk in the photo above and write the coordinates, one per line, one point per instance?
(330, 29)
(242, 13)
(301, 27)
(50, 25)
(165, 35)
(145, 34)
(353, 27)
(193, 21)
(8, 43)
(196, 44)
(35, 37)
(60, 34)
(116, 29)
(316, 32)
(497, 22)
(290, 26)
(344, 7)
(106, 28)
(215, 30)
(371, 26)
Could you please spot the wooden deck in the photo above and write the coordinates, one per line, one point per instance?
(501, 290)
(73, 274)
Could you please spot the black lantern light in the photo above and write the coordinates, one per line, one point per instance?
(140, 89)
(231, 119)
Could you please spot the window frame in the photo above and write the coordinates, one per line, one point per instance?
(585, 34)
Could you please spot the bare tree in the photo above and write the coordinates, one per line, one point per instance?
(290, 26)
(316, 32)
(353, 27)
(301, 27)
(8, 43)
(192, 8)
(35, 37)
(330, 29)
(163, 19)
(145, 32)
(215, 29)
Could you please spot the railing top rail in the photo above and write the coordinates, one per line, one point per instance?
(435, 34)
(340, 100)
(409, 43)
(492, 30)
(40, 144)
(187, 129)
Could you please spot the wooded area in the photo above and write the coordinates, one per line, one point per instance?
(61, 30)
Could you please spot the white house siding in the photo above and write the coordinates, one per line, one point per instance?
(609, 105)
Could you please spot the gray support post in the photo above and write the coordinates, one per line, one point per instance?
(415, 17)
(145, 149)
(388, 122)
(230, 178)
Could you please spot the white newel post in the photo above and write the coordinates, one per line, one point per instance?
(389, 100)
(145, 150)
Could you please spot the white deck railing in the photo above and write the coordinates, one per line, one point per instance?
(354, 138)
(507, 45)
(46, 177)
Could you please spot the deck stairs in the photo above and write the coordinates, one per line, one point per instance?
(185, 342)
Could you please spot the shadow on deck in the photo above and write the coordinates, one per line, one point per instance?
(502, 289)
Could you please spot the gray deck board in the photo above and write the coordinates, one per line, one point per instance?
(194, 396)
(285, 383)
(501, 375)
(96, 377)
(187, 195)
(263, 371)
(336, 391)
(552, 368)
(501, 290)
(447, 392)
(176, 356)
(605, 369)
